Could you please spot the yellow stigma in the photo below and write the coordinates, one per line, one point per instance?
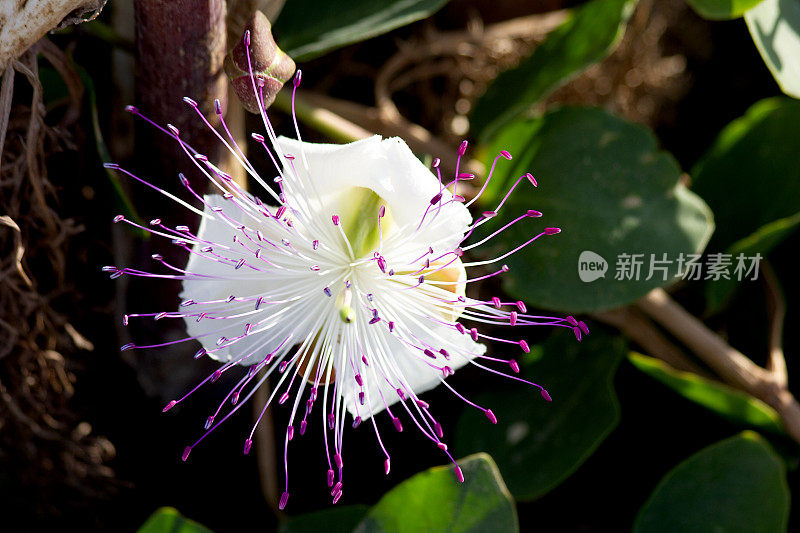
(343, 301)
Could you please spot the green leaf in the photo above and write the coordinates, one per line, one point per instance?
(750, 176)
(588, 36)
(775, 28)
(720, 292)
(736, 485)
(434, 501)
(538, 444)
(728, 402)
(332, 520)
(169, 520)
(309, 28)
(722, 9)
(606, 184)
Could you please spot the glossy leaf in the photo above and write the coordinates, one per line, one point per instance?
(728, 402)
(339, 519)
(612, 191)
(169, 520)
(722, 9)
(538, 444)
(434, 501)
(750, 176)
(589, 35)
(775, 28)
(736, 485)
(309, 28)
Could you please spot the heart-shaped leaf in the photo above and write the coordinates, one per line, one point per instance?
(736, 485)
(589, 35)
(617, 198)
(435, 501)
(538, 444)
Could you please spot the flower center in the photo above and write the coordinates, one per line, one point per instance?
(360, 219)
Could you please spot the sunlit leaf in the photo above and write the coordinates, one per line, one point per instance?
(775, 28)
(728, 402)
(604, 181)
(434, 501)
(588, 36)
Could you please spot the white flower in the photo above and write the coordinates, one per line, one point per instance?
(350, 287)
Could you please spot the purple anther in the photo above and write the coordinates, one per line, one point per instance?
(221, 341)
(504, 268)
(281, 210)
(235, 398)
(230, 298)
(182, 229)
(112, 166)
(217, 106)
(364, 360)
(337, 497)
(490, 415)
(131, 109)
(184, 180)
(356, 422)
(125, 320)
(209, 422)
(505, 154)
(463, 148)
(330, 477)
(382, 211)
(531, 179)
(386, 466)
(514, 366)
(512, 318)
(429, 353)
(437, 427)
(359, 380)
(435, 199)
(421, 280)
(117, 274)
(397, 424)
(169, 406)
(283, 398)
(337, 458)
(189, 101)
(315, 244)
(331, 421)
(521, 306)
(571, 320)
(282, 366)
(298, 76)
(375, 320)
(303, 426)
(199, 353)
(215, 376)
(335, 219)
(247, 445)
(160, 315)
(435, 162)
(458, 252)
(459, 474)
(362, 399)
(489, 214)
(473, 332)
(584, 327)
(551, 231)
(258, 302)
(447, 371)
(186, 452)
(119, 218)
(290, 432)
(391, 326)
(247, 38)
(257, 137)
(227, 195)
(496, 301)
(391, 272)
(284, 501)
(442, 446)
(577, 332)
(127, 347)
(175, 131)
(401, 394)
(336, 488)
(382, 264)
(460, 328)
(423, 404)
(327, 292)
(524, 345)
(546, 395)
(109, 269)
(534, 213)
(314, 268)
(445, 354)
